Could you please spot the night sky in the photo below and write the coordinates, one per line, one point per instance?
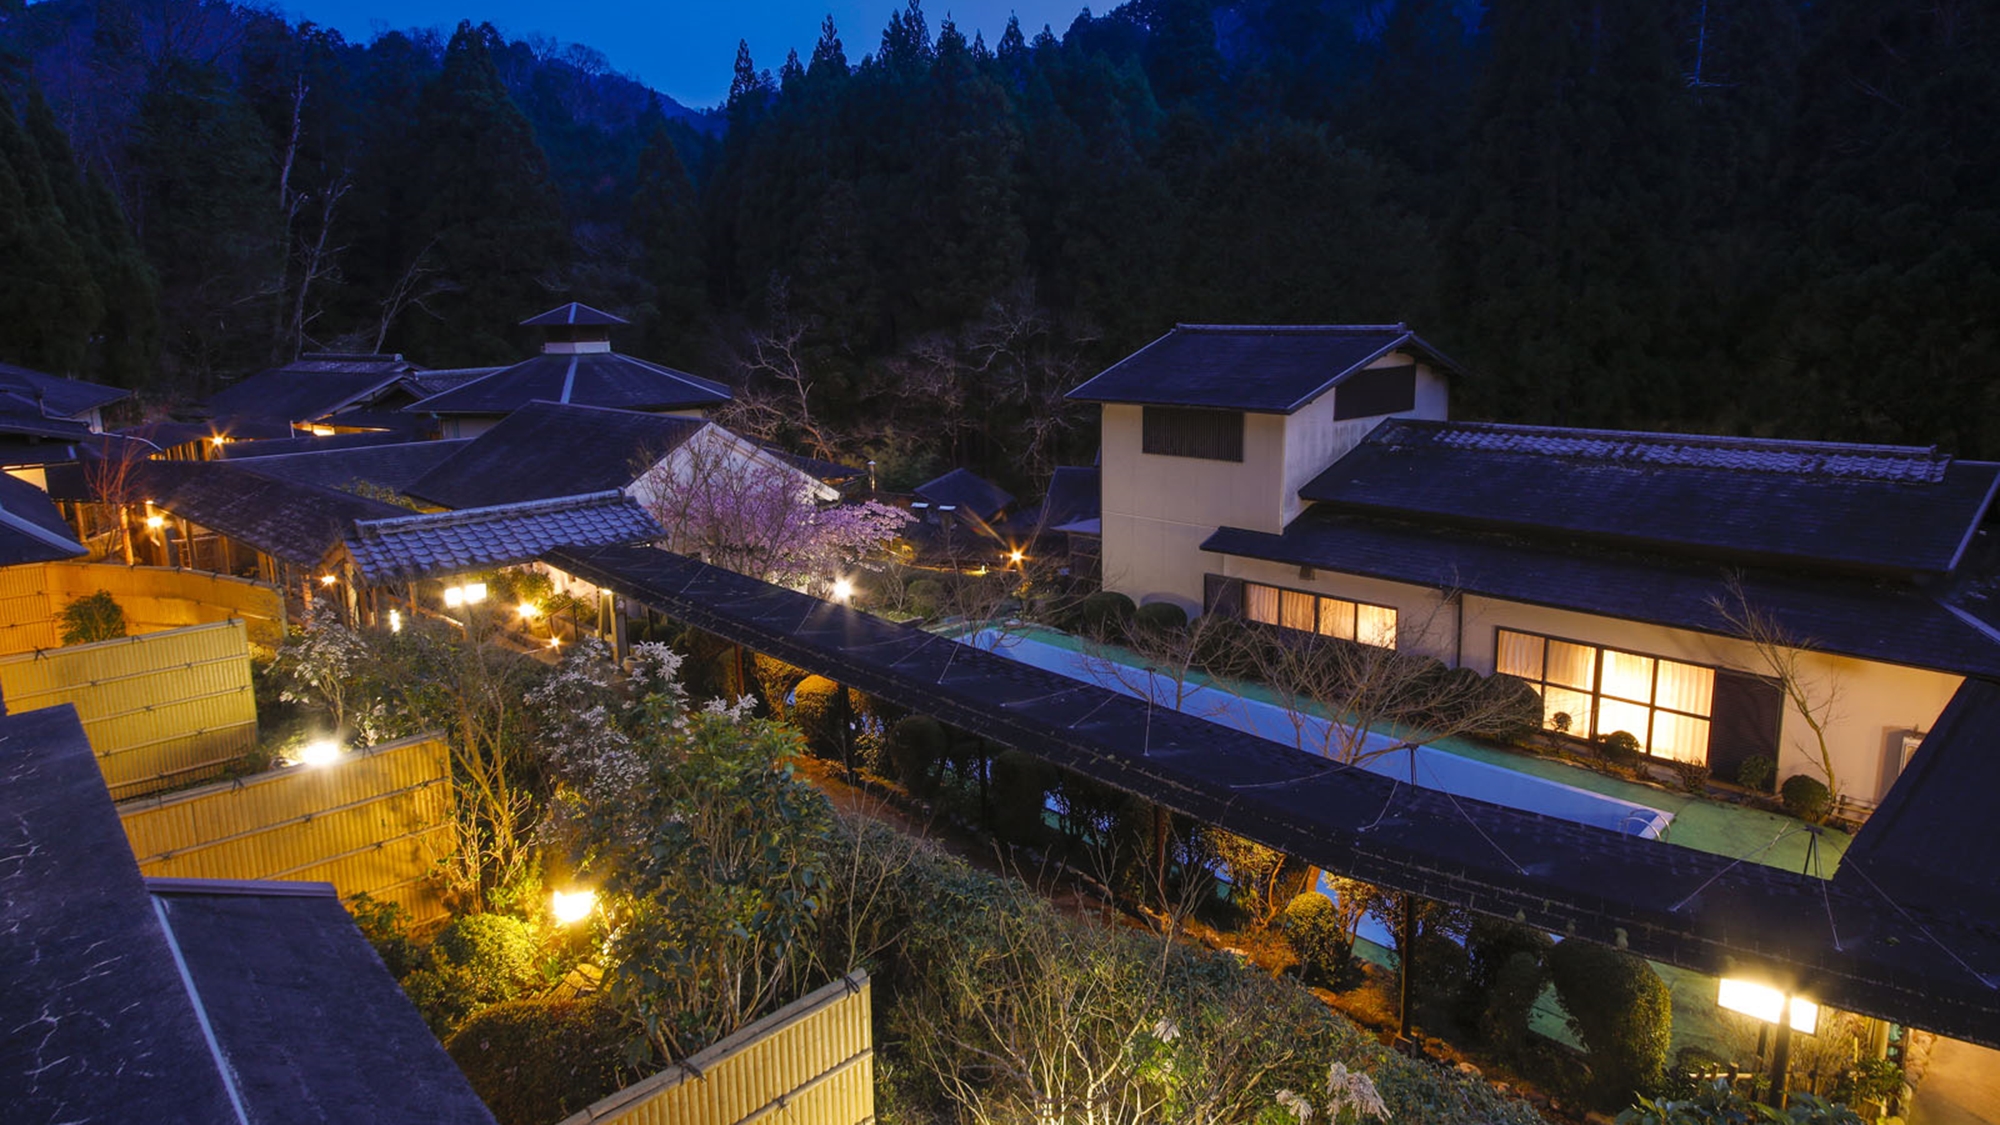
(684, 50)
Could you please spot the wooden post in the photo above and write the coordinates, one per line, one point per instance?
(1406, 962)
(1781, 1052)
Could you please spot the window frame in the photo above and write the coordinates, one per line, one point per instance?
(1354, 606)
(1596, 690)
(1178, 435)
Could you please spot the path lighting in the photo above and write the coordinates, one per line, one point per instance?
(472, 593)
(571, 907)
(555, 642)
(529, 611)
(1760, 1002)
(1017, 556)
(395, 621)
(842, 590)
(324, 752)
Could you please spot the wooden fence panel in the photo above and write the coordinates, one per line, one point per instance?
(376, 821)
(27, 613)
(812, 1060)
(155, 598)
(160, 709)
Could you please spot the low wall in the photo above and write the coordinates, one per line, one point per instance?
(161, 709)
(374, 822)
(812, 1060)
(154, 598)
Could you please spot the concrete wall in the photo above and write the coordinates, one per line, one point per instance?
(1158, 509)
(1872, 702)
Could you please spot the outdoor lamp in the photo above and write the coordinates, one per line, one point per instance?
(1017, 556)
(529, 610)
(1765, 1003)
(395, 621)
(570, 907)
(327, 580)
(323, 752)
(156, 522)
(842, 589)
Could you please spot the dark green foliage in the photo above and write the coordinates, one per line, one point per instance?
(1505, 974)
(818, 711)
(1103, 612)
(386, 925)
(1806, 797)
(1718, 1103)
(1618, 1007)
(1518, 713)
(49, 301)
(1757, 772)
(1312, 928)
(1692, 776)
(477, 961)
(926, 597)
(775, 680)
(93, 617)
(1620, 748)
(913, 747)
(666, 223)
(1160, 617)
(1019, 797)
(537, 1061)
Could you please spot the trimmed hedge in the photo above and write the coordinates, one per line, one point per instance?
(477, 961)
(913, 747)
(926, 597)
(1104, 610)
(1806, 798)
(1619, 1008)
(537, 1061)
(1312, 928)
(1160, 617)
(1020, 795)
(816, 711)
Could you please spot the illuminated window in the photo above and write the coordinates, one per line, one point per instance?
(1311, 613)
(1665, 704)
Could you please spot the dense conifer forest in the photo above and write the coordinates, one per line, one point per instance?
(1762, 216)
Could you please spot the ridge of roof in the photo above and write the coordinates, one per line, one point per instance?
(457, 516)
(1295, 329)
(573, 313)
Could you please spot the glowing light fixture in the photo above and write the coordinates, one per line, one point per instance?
(555, 642)
(395, 621)
(324, 752)
(1764, 1003)
(156, 522)
(1017, 556)
(327, 579)
(529, 611)
(842, 589)
(570, 907)
(218, 441)
(472, 593)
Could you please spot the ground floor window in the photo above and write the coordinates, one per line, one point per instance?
(1591, 691)
(1312, 613)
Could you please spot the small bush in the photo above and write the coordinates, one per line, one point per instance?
(913, 747)
(1806, 798)
(1515, 709)
(1618, 1007)
(1313, 930)
(1693, 776)
(386, 925)
(926, 597)
(817, 711)
(1020, 794)
(478, 961)
(1621, 749)
(1103, 611)
(1503, 1020)
(775, 680)
(1493, 1003)
(537, 1061)
(1757, 772)
(1160, 617)
(94, 617)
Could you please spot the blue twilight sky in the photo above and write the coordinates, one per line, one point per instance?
(684, 50)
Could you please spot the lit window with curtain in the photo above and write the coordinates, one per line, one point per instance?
(1591, 691)
(1311, 613)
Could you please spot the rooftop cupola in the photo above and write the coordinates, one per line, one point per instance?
(574, 329)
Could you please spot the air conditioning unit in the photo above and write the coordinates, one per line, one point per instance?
(1911, 740)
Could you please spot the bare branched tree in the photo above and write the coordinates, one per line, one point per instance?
(1784, 655)
(417, 284)
(112, 476)
(778, 402)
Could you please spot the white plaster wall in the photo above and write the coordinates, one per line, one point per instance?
(1872, 701)
(1314, 440)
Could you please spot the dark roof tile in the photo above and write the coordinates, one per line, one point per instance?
(605, 379)
(546, 450)
(968, 491)
(309, 388)
(59, 397)
(393, 466)
(298, 523)
(572, 313)
(31, 529)
(1274, 369)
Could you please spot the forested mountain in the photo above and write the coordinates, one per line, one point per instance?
(1772, 216)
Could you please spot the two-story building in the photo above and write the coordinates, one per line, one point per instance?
(1715, 597)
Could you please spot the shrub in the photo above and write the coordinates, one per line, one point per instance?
(1160, 617)
(913, 747)
(477, 961)
(1621, 1011)
(818, 713)
(1621, 749)
(1503, 1021)
(537, 1061)
(386, 925)
(1515, 710)
(1100, 612)
(1806, 798)
(1313, 930)
(1506, 972)
(1020, 795)
(775, 680)
(1692, 776)
(1718, 1103)
(93, 617)
(1757, 772)
(926, 597)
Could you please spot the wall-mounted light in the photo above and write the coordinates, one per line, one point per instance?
(528, 611)
(323, 752)
(156, 522)
(327, 579)
(1017, 556)
(472, 593)
(1765, 1003)
(571, 907)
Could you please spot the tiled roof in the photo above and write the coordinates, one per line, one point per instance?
(313, 386)
(1828, 506)
(572, 313)
(298, 523)
(424, 384)
(1893, 622)
(184, 1000)
(1273, 369)
(545, 450)
(968, 491)
(306, 443)
(410, 547)
(605, 379)
(393, 466)
(31, 529)
(59, 397)
(22, 415)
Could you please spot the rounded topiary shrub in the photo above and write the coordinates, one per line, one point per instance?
(537, 1061)
(1510, 709)
(1620, 748)
(1312, 928)
(1160, 617)
(775, 680)
(926, 597)
(816, 710)
(1020, 796)
(1806, 798)
(477, 961)
(1104, 611)
(913, 747)
(1757, 772)
(1623, 1014)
